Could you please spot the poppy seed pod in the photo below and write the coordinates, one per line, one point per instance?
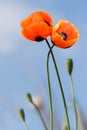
(64, 34)
(69, 65)
(37, 26)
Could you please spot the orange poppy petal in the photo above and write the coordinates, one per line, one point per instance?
(46, 17)
(38, 24)
(36, 30)
(58, 41)
(42, 16)
(37, 17)
(27, 21)
(68, 30)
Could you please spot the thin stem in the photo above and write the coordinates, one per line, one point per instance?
(60, 84)
(79, 118)
(44, 124)
(26, 126)
(73, 100)
(49, 91)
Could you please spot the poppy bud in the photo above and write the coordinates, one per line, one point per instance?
(29, 97)
(21, 114)
(38, 102)
(69, 65)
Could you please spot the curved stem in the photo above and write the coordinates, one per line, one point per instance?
(49, 90)
(73, 100)
(44, 124)
(60, 84)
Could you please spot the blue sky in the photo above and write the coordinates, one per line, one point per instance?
(23, 63)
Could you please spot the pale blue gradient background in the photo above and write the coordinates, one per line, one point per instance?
(23, 63)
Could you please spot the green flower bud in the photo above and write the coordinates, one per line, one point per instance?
(29, 97)
(21, 114)
(69, 65)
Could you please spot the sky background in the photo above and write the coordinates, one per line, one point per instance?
(23, 63)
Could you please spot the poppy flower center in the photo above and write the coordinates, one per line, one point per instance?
(63, 35)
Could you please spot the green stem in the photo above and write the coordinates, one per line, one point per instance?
(26, 126)
(73, 100)
(44, 124)
(60, 84)
(79, 118)
(49, 90)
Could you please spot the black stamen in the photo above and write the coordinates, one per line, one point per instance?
(39, 39)
(63, 35)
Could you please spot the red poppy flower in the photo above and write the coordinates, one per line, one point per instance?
(37, 26)
(64, 34)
